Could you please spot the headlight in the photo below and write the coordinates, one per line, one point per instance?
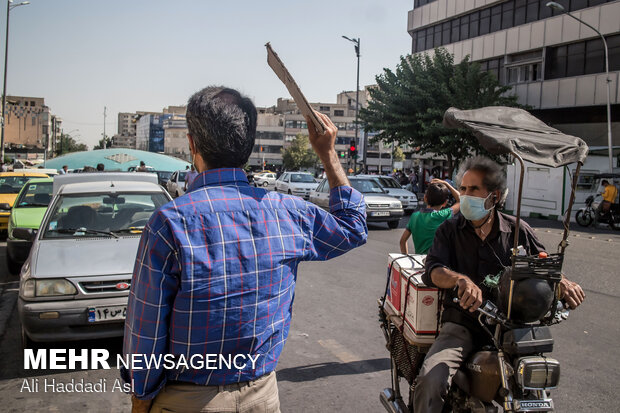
(538, 373)
(396, 205)
(47, 288)
(28, 288)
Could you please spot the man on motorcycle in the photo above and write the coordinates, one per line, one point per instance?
(466, 249)
(609, 196)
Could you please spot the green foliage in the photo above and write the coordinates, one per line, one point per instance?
(398, 155)
(408, 104)
(100, 145)
(67, 144)
(299, 154)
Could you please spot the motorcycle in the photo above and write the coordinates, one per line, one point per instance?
(514, 373)
(591, 213)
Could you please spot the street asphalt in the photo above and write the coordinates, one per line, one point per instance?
(335, 358)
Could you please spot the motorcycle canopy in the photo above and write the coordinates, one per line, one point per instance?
(503, 130)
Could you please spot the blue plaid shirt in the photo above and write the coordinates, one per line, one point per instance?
(215, 274)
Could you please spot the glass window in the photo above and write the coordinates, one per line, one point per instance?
(102, 214)
(595, 56)
(613, 44)
(36, 194)
(474, 20)
(366, 186)
(532, 11)
(578, 4)
(485, 21)
(596, 2)
(304, 178)
(575, 62)
(465, 27)
(437, 36)
(456, 34)
(496, 18)
(520, 12)
(445, 35)
(429, 38)
(507, 14)
(556, 62)
(338, 112)
(12, 184)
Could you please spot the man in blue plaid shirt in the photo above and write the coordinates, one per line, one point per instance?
(214, 279)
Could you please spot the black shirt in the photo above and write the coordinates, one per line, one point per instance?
(458, 247)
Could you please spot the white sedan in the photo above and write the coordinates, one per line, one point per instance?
(176, 184)
(296, 183)
(265, 179)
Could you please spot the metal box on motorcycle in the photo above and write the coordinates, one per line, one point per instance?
(528, 340)
(414, 303)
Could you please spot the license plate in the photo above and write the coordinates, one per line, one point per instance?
(533, 405)
(381, 214)
(97, 314)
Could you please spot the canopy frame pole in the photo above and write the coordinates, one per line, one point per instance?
(571, 201)
(517, 229)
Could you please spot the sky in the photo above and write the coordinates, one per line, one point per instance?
(144, 55)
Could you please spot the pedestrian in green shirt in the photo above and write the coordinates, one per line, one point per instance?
(423, 224)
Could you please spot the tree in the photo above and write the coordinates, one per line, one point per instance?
(299, 154)
(407, 106)
(397, 154)
(100, 145)
(68, 144)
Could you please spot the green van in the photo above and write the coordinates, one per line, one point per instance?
(27, 213)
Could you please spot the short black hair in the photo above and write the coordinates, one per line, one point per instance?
(604, 182)
(222, 124)
(437, 194)
(100, 167)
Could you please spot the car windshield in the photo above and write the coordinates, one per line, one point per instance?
(366, 186)
(164, 175)
(12, 184)
(35, 194)
(389, 183)
(304, 178)
(108, 214)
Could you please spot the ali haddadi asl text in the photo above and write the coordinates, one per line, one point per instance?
(53, 385)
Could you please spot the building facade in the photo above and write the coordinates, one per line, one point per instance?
(30, 124)
(555, 64)
(175, 137)
(150, 132)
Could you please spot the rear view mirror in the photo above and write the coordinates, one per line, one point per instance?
(110, 200)
(5, 207)
(26, 234)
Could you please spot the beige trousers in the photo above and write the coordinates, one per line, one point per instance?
(258, 396)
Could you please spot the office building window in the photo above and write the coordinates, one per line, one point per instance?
(582, 58)
(499, 17)
(418, 3)
(338, 112)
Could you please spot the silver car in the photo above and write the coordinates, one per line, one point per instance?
(75, 283)
(379, 206)
(393, 188)
(296, 183)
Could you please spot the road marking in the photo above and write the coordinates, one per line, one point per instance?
(339, 350)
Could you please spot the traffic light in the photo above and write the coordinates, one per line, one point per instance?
(352, 151)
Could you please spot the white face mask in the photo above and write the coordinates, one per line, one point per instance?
(472, 207)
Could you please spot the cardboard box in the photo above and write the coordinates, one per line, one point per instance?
(419, 305)
(397, 265)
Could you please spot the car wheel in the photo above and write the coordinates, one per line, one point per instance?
(265, 183)
(14, 267)
(27, 341)
(393, 224)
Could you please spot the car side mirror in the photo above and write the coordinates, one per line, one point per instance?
(5, 207)
(26, 234)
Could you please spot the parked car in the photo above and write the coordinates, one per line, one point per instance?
(265, 179)
(296, 183)
(393, 188)
(27, 212)
(163, 177)
(75, 283)
(380, 207)
(176, 183)
(10, 185)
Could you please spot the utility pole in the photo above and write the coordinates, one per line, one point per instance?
(356, 42)
(104, 116)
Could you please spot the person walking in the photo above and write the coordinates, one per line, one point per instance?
(216, 268)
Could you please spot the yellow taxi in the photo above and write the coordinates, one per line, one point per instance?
(10, 185)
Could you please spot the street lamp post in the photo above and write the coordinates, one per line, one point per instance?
(9, 6)
(558, 7)
(356, 42)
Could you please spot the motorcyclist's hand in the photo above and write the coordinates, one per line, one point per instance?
(572, 293)
(470, 295)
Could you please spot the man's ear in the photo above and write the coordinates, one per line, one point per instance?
(192, 147)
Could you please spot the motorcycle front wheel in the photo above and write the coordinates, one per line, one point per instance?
(584, 218)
